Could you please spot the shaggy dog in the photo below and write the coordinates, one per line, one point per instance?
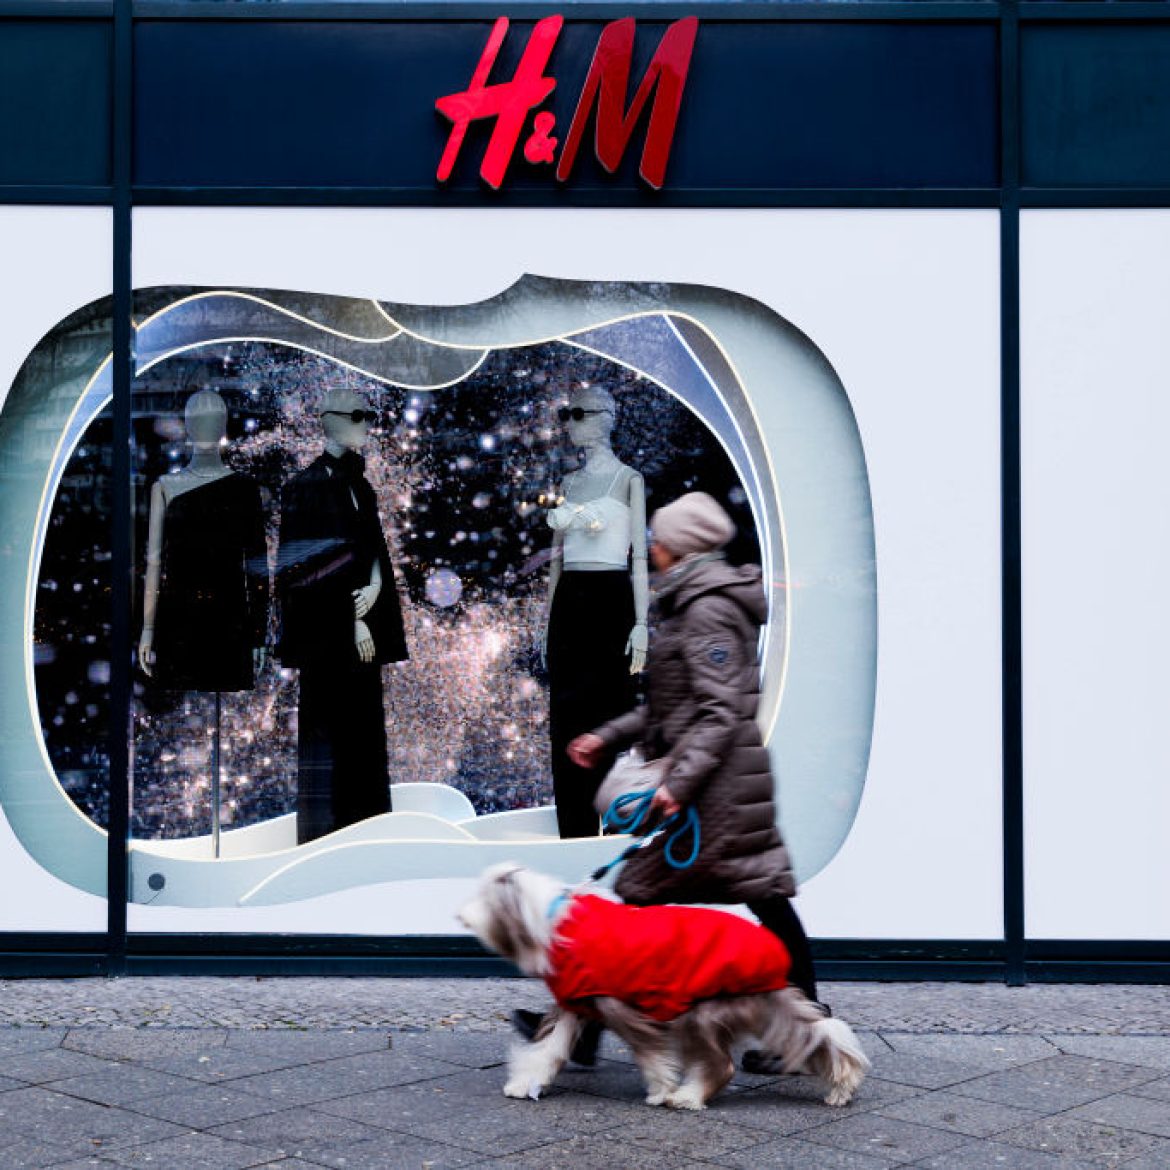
(682, 1044)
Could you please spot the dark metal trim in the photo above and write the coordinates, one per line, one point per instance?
(978, 197)
(1071, 961)
(1012, 730)
(67, 196)
(1093, 11)
(1061, 961)
(122, 558)
(925, 11)
(1094, 197)
(423, 946)
(60, 10)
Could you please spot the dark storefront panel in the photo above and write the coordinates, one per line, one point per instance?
(767, 106)
(1096, 106)
(55, 87)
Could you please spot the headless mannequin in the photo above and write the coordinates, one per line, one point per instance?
(206, 422)
(595, 633)
(206, 575)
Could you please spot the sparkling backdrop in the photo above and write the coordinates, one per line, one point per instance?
(458, 473)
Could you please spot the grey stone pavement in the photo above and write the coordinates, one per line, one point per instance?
(370, 1074)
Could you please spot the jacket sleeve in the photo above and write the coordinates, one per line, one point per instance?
(716, 658)
(625, 730)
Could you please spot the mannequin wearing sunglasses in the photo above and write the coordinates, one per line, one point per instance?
(205, 598)
(340, 622)
(595, 635)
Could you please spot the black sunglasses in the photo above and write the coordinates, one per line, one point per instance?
(355, 416)
(577, 413)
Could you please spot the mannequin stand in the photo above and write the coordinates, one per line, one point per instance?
(215, 781)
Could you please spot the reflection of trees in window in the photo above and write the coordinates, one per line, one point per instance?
(458, 473)
(71, 631)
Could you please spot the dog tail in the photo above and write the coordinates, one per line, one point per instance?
(810, 1041)
(842, 1048)
(790, 1029)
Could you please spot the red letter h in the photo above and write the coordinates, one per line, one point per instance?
(508, 102)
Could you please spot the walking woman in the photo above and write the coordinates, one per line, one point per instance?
(703, 693)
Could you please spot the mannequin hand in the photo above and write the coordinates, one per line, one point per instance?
(636, 645)
(591, 519)
(570, 515)
(663, 803)
(146, 655)
(585, 751)
(364, 641)
(365, 598)
(561, 517)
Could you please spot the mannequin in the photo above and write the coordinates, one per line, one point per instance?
(205, 602)
(595, 635)
(340, 621)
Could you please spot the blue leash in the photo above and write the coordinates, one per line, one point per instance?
(628, 812)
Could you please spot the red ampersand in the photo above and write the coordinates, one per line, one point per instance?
(541, 145)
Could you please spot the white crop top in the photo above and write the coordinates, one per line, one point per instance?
(597, 531)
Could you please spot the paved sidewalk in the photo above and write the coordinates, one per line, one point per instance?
(366, 1074)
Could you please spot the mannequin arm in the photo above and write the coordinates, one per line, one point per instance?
(363, 602)
(639, 639)
(570, 515)
(366, 598)
(154, 539)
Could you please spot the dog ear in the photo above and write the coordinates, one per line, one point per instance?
(527, 949)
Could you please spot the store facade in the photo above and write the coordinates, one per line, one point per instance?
(887, 280)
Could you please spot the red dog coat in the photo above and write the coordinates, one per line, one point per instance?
(660, 959)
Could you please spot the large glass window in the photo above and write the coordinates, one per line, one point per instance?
(378, 576)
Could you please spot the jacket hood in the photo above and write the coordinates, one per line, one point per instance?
(744, 584)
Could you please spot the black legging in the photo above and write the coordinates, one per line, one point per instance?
(778, 915)
(589, 681)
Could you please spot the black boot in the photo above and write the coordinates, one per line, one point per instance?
(585, 1050)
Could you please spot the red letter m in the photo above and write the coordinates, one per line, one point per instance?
(607, 85)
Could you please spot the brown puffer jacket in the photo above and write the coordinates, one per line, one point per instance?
(703, 684)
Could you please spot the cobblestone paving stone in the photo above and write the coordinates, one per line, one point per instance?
(385, 1074)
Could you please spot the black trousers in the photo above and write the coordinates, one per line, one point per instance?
(342, 775)
(589, 681)
(778, 915)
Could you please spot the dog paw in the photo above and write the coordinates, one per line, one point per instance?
(686, 1099)
(838, 1095)
(658, 1098)
(521, 1089)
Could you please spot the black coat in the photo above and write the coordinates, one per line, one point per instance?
(327, 550)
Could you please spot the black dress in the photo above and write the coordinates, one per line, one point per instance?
(330, 539)
(212, 606)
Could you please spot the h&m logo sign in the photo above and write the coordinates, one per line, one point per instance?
(509, 103)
